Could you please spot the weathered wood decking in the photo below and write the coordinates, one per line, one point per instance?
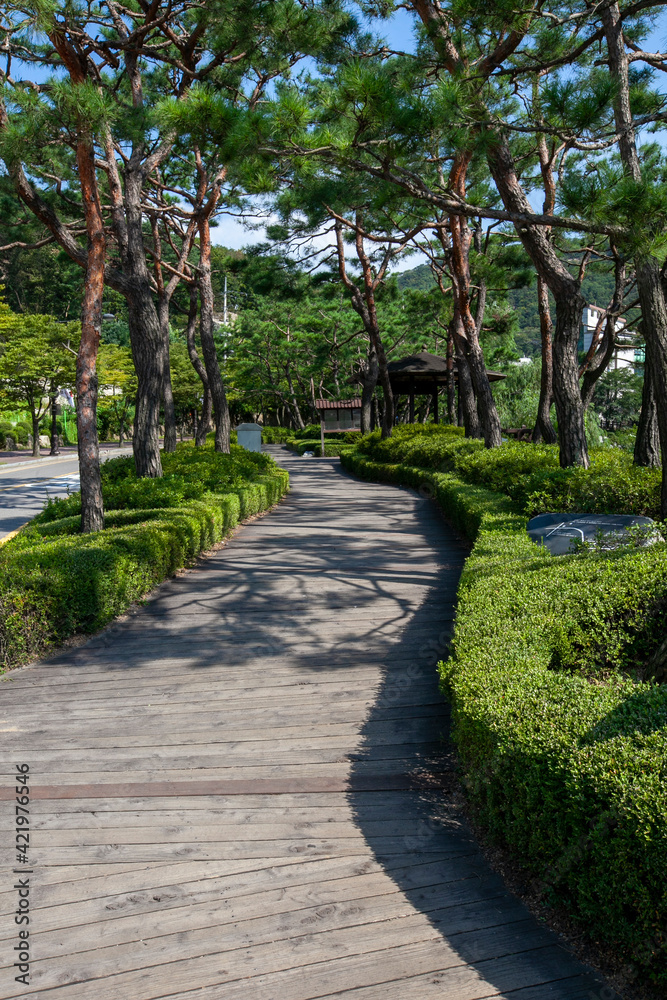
(241, 792)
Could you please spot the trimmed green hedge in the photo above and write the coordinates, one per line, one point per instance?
(563, 744)
(55, 582)
(331, 448)
(529, 474)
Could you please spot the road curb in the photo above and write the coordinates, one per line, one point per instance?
(51, 458)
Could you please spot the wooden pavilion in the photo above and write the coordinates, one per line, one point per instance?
(338, 416)
(422, 375)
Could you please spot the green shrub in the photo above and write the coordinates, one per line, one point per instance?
(624, 439)
(20, 432)
(331, 447)
(430, 447)
(563, 745)
(529, 474)
(312, 433)
(309, 432)
(275, 435)
(55, 582)
(5, 428)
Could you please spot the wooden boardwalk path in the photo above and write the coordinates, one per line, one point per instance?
(242, 792)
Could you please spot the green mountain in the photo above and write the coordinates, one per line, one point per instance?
(598, 288)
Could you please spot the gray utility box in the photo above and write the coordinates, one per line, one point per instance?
(249, 436)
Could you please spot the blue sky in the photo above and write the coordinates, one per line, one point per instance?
(399, 34)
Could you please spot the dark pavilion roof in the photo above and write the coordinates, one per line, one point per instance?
(423, 369)
(419, 364)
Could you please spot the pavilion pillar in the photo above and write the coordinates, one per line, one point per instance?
(412, 401)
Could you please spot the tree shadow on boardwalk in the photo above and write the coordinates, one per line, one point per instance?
(326, 585)
(441, 869)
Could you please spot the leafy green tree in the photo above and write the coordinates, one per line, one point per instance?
(118, 385)
(36, 359)
(188, 388)
(517, 396)
(617, 398)
(287, 352)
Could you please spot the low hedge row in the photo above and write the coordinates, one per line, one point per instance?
(331, 448)
(276, 435)
(529, 474)
(563, 745)
(55, 582)
(312, 433)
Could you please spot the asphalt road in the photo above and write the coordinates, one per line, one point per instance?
(25, 490)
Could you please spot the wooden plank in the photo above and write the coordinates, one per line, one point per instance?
(291, 691)
(120, 889)
(41, 856)
(345, 734)
(279, 888)
(273, 917)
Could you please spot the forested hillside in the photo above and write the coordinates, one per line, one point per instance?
(597, 288)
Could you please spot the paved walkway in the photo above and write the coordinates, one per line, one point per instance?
(242, 793)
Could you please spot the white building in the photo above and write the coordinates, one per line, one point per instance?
(626, 354)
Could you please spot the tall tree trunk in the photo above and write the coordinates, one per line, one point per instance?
(451, 382)
(649, 285)
(654, 328)
(544, 429)
(388, 412)
(467, 326)
(599, 356)
(300, 423)
(569, 307)
(146, 340)
(647, 442)
(204, 419)
(364, 305)
(55, 450)
(35, 435)
(206, 334)
(147, 352)
(467, 401)
(92, 506)
(369, 381)
(190, 330)
(167, 390)
(369, 314)
(569, 405)
(201, 429)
